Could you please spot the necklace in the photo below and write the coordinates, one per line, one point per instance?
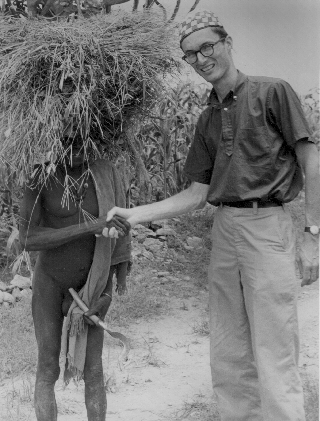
(79, 188)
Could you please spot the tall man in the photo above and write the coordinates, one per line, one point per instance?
(250, 148)
(61, 219)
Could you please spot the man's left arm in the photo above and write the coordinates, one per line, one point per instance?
(308, 259)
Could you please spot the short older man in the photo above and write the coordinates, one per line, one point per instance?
(251, 147)
(61, 219)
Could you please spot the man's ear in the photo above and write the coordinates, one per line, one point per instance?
(229, 43)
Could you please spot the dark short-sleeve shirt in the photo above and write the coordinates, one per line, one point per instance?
(244, 147)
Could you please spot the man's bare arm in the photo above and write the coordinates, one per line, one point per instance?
(34, 237)
(188, 200)
(308, 158)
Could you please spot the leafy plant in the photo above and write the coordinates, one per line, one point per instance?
(164, 139)
(310, 104)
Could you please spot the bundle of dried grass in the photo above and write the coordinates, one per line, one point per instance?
(96, 75)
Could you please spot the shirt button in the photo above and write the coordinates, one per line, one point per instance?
(226, 109)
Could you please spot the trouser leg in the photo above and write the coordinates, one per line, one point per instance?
(47, 317)
(270, 291)
(234, 374)
(95, 395)
(253, 306)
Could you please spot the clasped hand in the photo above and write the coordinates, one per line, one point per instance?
(100, 309)
(116, 227)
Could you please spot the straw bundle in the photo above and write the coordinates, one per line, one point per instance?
(97, 75)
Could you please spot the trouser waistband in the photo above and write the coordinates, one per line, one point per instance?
(252, 204)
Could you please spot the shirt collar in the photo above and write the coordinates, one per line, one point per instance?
(213, 99)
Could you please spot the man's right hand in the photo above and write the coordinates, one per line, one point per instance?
(115, 217)
(115, 227)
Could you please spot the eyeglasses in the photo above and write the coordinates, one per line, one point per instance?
(206, 50)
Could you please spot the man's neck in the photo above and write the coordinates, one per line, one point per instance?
(228, 83)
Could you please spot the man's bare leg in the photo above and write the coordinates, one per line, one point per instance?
(47, 317)
(95, 395)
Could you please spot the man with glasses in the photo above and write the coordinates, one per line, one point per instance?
(250, 150)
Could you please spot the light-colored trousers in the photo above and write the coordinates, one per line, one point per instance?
(253, 316)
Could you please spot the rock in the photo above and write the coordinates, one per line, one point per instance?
(21, 282)
(137, 250)
(1, 297)
(3, 286)
(186, 278)
(151, 234)
(141, 228)
(188, 248)
(173, 279)
(16, 294)
(160, 274)
(6, 304)
(152, 245)
(181, 259)
(195, 242)
(141, 237)
(150, 242)
(26, 292)
(166, 231)
(147, 254)
(8, 298)
(159, 223)
(157, 251)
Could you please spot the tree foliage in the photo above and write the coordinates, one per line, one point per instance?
(62, 8)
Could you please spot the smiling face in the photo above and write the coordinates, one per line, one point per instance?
(217, 69)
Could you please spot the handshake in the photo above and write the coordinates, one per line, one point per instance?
(115, 226)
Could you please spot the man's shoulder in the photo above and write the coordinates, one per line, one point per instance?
(265, 87)
(267, 81)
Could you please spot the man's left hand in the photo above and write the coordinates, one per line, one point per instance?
(308, 259)
(100, 308)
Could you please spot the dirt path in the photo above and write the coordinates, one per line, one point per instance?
(167, 376)
(168, 365)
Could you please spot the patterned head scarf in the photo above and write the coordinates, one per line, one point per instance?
(195, 21)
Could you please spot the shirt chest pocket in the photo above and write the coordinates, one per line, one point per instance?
(254, 145)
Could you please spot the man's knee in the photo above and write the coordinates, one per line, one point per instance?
(48, 367)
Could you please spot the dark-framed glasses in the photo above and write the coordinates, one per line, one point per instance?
(206, 50)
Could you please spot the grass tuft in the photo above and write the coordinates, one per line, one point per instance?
(144, 299)
(18, 351)
(311, 397)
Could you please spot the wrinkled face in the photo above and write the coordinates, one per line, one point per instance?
(75, 151)
(73, 145)
(213, 69)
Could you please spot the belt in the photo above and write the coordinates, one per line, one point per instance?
(253, 203)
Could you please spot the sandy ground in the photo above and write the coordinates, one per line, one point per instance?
(167, 371)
